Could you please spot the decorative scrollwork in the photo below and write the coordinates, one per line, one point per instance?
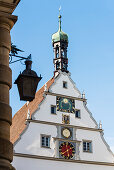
(14, 53)
(10, 59)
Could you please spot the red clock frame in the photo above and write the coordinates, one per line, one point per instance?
(67, 150)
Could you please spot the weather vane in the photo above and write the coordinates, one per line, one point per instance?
(59, 10)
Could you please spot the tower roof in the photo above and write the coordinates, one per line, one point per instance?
(59, 35)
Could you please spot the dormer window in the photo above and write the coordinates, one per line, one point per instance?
(65, 84)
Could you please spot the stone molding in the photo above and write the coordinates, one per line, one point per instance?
(63, 160)
(70, 97)
(6, 149)
(6, 113)
(5, 71)
(8, 7)
(66, 140)
(65, 125)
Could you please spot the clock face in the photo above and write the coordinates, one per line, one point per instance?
(67, 150)
(65, 105)
(66, 133)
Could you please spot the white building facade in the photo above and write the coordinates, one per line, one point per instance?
(61, 132)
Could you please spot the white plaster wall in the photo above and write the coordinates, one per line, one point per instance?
(39, 164)
(86, 120)
(30, 141)
(44, 113)
(99, 150)
(57, 86)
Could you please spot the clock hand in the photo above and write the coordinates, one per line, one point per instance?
(67, 151)
(64, 152)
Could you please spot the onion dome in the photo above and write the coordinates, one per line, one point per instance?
(59, 35)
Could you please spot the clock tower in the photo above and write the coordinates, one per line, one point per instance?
(60, 44)
(56, 129)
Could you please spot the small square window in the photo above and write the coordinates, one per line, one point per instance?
(87, 146)
(77, 113)
(45, 141)
(65, 84)
(53, 109)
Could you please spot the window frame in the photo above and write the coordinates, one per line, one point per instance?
(51, 109)
(90, 146)
(79, 117)
(46, 136)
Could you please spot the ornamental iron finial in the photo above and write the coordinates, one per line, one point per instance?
(83, 94)
(100, 125)
(59, 9)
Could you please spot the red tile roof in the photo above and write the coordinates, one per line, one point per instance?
(19, 119)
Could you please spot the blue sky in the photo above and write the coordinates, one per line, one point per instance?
(90, 27)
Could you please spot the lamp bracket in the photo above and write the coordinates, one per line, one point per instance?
(14, 53)
(16, 56)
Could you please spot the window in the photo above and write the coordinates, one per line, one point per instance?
(62, 51)
(57, 51)
(87, 146)
(64, 84)
(45, 141)
(77, 113)
(53, 109)
(66, 119)
(57, 65)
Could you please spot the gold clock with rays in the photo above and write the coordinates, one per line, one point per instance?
(65, 105)
(66, 133)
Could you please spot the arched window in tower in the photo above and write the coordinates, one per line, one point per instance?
(62, 51)
(64, 66)
(57, 51)
(57, 65)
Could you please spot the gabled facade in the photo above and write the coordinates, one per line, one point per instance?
(60, 131)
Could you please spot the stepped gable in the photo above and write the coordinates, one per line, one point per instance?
(18, 122)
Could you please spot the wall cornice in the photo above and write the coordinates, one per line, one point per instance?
(70, 97)
(63, 160)
(66, 140)
(65, 125)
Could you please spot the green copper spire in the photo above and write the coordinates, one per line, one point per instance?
(59, 22)
(59, 35)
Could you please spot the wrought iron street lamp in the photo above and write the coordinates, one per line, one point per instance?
(27, 82)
